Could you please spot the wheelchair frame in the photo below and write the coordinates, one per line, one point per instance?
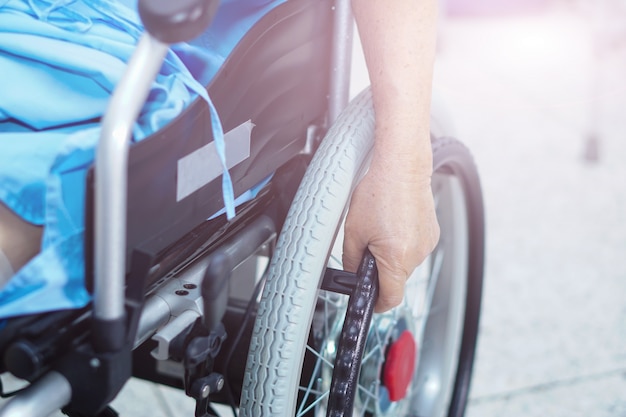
(166, 274)
(108, 187)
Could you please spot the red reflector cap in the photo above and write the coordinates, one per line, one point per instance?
(400, 366)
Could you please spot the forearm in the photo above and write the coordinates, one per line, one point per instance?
(392, 209)
(398, 38)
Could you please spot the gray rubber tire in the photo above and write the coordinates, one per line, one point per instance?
(288, 301)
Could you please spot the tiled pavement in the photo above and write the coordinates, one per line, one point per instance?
(525, 92)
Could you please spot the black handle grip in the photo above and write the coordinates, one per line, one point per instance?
(344, 385)
(173, 21)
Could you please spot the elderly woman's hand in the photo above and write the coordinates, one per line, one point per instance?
(392, 213)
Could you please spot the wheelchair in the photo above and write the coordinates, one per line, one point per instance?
(255, 312)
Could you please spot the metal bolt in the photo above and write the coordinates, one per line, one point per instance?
(94, 363)
(190, 286)
(220, 383)
(206, 390)
(182, 292)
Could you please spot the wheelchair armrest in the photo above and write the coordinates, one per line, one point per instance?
(172, 21)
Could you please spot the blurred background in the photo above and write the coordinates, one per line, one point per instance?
(537, 90)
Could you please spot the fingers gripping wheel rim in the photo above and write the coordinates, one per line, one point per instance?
(290, 300)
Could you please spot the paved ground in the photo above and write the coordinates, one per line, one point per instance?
(524, 93)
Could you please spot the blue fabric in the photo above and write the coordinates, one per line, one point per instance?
(59, 62)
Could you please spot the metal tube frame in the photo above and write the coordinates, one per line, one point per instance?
(53, 391)
(112, 177)
(341, 59)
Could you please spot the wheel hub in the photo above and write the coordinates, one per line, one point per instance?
(388, 368)
(399, 366)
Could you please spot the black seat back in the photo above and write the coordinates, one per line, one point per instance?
(277, 77)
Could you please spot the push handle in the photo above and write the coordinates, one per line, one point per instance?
(173, 21)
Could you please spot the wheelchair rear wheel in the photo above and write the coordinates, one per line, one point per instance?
(298, 325)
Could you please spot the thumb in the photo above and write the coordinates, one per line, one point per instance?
(391, 283)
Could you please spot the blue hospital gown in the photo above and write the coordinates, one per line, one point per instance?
(59, 63)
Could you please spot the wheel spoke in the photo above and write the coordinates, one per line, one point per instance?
(369, 397)
(335, 259)
(326, 316)
(319, 357)
(314, 404)
(338, 303)
(367, 392)
(434, 278)
(308, 390)
(372, 352)
(311, 391)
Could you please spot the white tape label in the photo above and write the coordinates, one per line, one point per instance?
(203, 165)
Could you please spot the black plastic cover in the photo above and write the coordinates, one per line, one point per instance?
(277, 77)
(172, 21)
